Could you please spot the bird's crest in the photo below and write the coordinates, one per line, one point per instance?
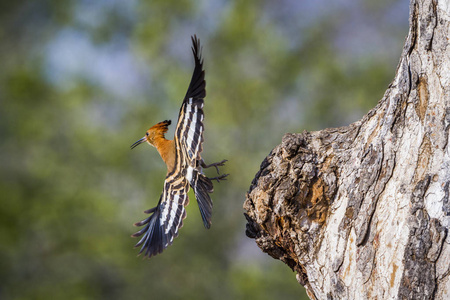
(161, 127)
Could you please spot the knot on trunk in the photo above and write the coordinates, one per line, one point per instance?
(289, 200)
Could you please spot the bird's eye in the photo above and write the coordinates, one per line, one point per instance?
(146, 133)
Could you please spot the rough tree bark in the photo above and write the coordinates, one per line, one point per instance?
(363, 211)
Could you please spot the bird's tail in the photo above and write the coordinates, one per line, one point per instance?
(162, 226)
(203, 186)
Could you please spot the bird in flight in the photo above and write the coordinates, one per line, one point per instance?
(182, 156)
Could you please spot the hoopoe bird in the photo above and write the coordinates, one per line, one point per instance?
(182, 156)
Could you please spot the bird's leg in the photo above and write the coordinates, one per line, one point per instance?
(219, 178)
(216, 165)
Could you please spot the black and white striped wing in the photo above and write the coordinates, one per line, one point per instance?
(189, 130)
(162, 226)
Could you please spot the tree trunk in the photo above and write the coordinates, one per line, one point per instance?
(363, 211)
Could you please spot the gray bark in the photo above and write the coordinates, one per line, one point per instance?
(363, 211)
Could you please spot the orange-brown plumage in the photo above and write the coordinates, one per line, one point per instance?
(155, 136)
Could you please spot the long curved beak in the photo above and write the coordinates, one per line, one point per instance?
(143, 140)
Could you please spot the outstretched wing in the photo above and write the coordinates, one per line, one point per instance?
(189, 130)
(162, 226)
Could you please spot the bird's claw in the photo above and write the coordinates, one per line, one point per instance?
(216, 165)
(219, 178)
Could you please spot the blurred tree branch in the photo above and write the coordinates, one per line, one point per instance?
(362, 211)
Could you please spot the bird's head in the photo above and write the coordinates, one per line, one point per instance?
(156, 131)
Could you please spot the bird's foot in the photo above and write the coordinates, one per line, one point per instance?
(219, 178)
(216, 165)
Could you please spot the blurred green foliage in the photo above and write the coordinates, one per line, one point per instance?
(80, 81)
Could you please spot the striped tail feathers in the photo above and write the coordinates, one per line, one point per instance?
(202, 187)
(162, 226)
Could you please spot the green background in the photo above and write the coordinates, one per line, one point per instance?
(80, 81)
